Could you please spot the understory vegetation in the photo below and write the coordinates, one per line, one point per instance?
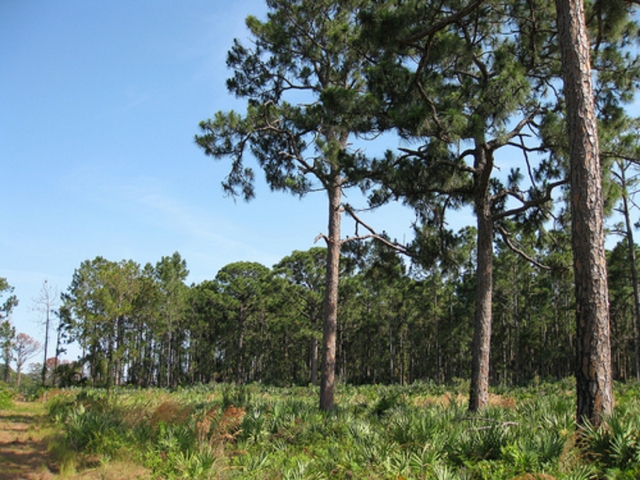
(420, 431)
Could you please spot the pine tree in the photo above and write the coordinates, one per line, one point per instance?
(306, 100)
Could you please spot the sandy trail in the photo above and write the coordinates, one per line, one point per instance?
(23, 449)
(24, 454)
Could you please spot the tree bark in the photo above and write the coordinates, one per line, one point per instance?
(593, 370)
(481, 348)
(334, 243)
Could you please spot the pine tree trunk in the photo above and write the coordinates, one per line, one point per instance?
(437, 326)
(169, 350)
(392, 355)
(634, 272)
(240, 347)
(516, 342)
(313, 361)
(402, 358)
(593, 369)
(58, 352)
(479, 392)
(328, 373)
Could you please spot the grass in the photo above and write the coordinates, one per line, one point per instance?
(421, 431)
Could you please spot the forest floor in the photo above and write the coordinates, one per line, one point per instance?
(25, 454)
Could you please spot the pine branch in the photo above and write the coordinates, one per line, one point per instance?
(373, 234)
(530, 203)
(502, 141)
(526, 149)
(619, 156)
(505, 238)
(323, 236)
(439, 163)
(442, 24)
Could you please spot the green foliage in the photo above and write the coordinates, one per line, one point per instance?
(302, 78)
(10, 303)
(7, 395)
(423, 432)
(615, 445)
(7, 330)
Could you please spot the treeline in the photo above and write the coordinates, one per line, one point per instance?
(399, 321)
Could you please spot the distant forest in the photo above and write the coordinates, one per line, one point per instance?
(399, 322)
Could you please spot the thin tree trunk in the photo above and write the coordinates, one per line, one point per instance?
(402, 358)
(58, 351)
(343, 352)
(593, 369)
(516, 342)
(634, 271)
(437, 325)
(378, 363)
(506, 349)
(334, 243)
(169, 341)
(46, 339)
(557, 337)
(391, 353)
(239, 347)
(313, 362)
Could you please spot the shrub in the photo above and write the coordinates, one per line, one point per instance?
(420, 431)
(6, 396)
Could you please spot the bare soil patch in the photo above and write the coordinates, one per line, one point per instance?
(24, 453)
(23, 448)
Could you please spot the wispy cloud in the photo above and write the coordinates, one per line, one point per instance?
(179, 216)
(134, 98)
(209, 241)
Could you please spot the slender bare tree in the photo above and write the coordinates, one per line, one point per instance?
(45, 305)
(24, 347)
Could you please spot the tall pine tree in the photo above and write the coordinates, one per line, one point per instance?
(306, 100)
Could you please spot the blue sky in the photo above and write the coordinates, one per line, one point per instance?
(99, 104)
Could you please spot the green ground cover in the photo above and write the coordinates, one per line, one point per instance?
(421, 431)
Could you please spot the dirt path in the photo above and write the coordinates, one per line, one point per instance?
(23, 449)
(24, 454)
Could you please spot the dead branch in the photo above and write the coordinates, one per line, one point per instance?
(323, 236)
(531, 203)
(373, 234)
